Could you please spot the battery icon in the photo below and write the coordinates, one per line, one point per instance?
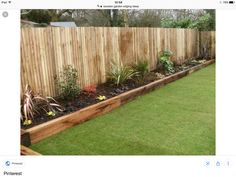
(231, 2)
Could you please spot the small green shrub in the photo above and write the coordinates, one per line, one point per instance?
(166, 62)
(67, 82)
(119, 74)
(141, 68)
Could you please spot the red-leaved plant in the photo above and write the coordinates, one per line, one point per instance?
(90, 89)
(33, 104)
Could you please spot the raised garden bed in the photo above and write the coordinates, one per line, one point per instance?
(85, 99)
(52, 127)
(108, 89)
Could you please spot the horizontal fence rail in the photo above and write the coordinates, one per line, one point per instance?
(44, 51)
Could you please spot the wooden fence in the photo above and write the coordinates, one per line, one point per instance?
(44, 51)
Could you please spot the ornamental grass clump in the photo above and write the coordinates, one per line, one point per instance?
(141, 69)
(119, 74)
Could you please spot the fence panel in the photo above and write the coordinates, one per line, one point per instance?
(44, 51)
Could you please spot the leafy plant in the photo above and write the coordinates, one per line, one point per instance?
(51, 113)
(27, 122)
(166, 62)
(67, 82)
(141, 68)
(205, 22)
(34, 104)
(173, 23)
(90, 89)
(119, 74)
(28, 107)
(101, 97)
(47, 104)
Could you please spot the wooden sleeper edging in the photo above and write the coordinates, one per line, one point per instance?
(27, 151)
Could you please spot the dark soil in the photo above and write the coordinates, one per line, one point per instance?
(107, 89)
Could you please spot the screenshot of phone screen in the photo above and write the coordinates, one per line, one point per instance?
(117, 88)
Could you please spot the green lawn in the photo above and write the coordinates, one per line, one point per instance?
(177, 119)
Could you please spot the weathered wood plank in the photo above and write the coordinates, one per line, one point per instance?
(27, 151)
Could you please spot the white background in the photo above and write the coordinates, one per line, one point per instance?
(226, 82)
(10, 83)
